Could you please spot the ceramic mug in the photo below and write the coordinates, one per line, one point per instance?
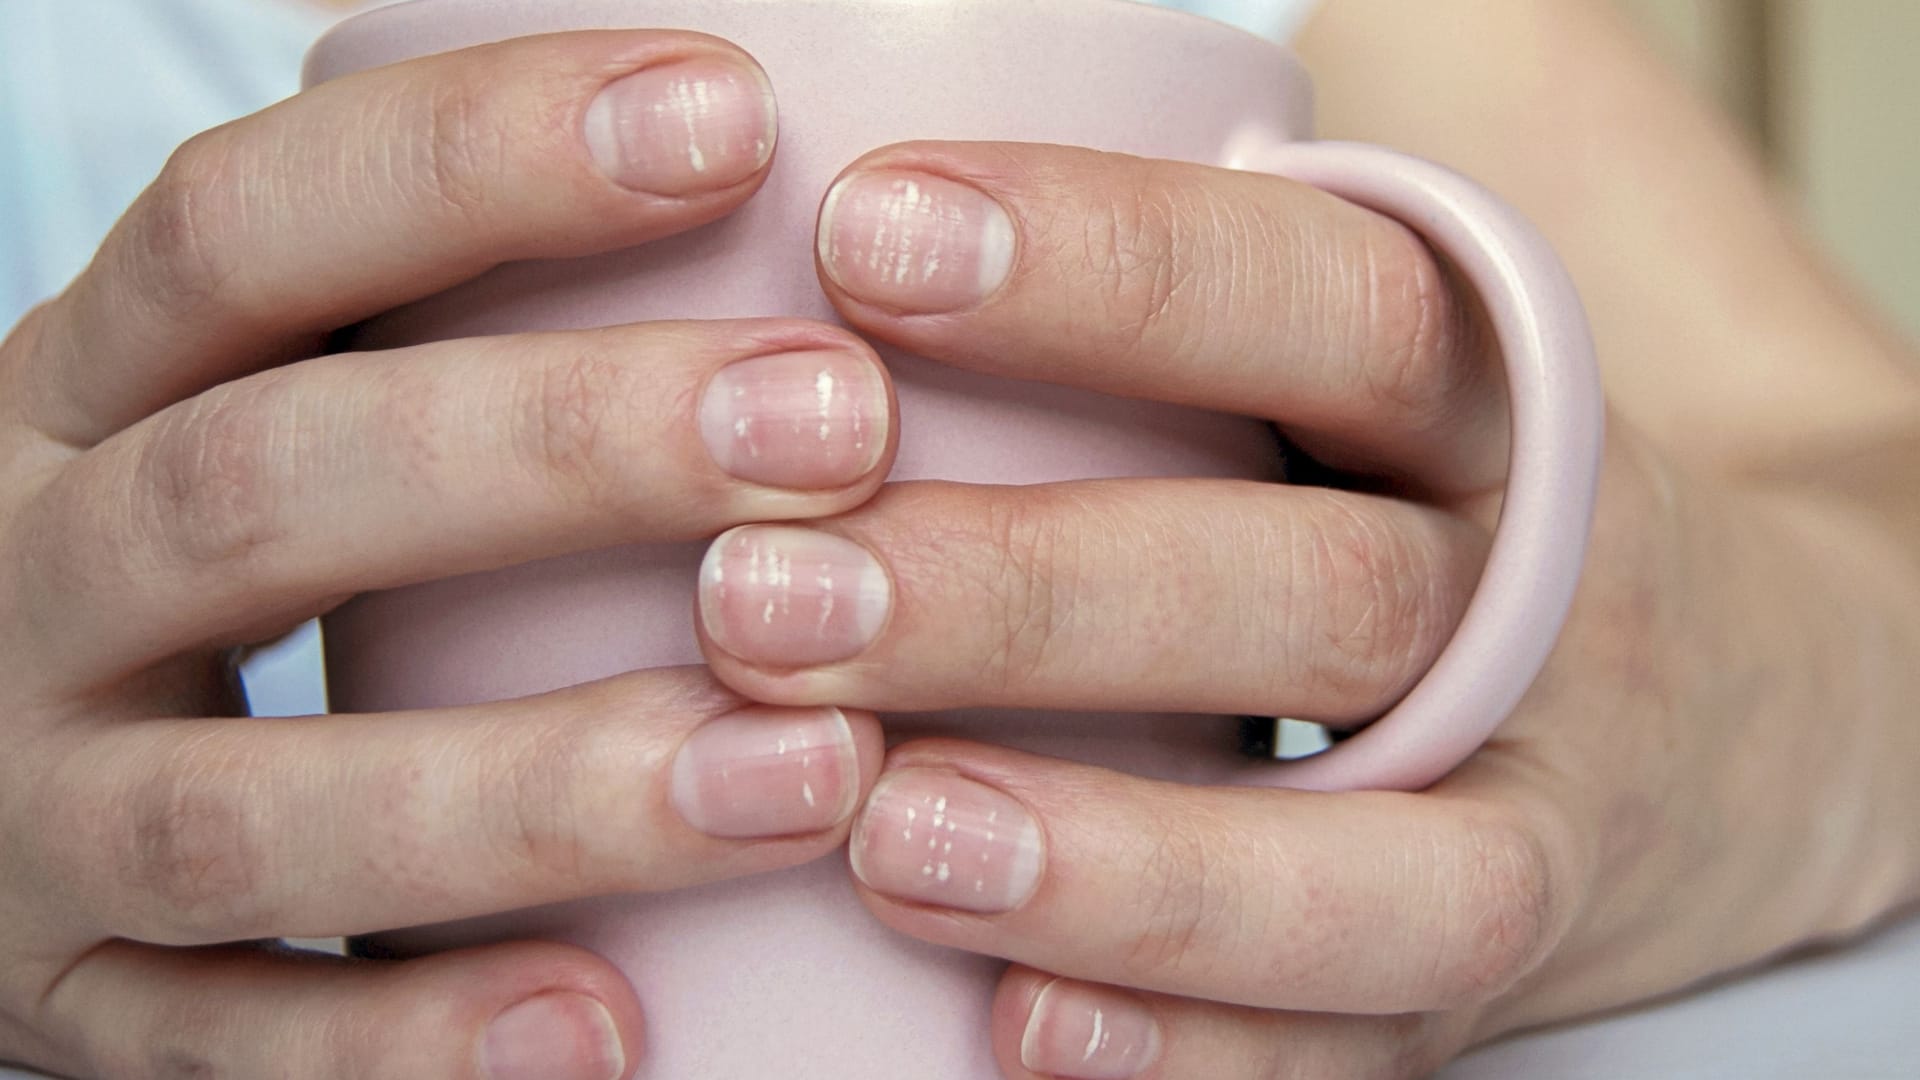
(784, 974)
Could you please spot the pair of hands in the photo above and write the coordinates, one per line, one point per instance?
(175, 486)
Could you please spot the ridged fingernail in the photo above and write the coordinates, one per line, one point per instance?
(936, 837)
(553, 1036)
(914, 242)
(1081, 1032)
(802, 420)
(678, 129)
(784, 596)
(764, 771)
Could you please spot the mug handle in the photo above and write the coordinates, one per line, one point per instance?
(1553, 471)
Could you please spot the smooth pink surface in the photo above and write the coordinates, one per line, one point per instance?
(783, 975)
(1553, 472)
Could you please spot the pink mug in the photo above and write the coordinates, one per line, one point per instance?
(785, 975)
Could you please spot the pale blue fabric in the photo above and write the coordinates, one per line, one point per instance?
(93, 96)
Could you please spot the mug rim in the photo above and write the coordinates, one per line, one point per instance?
(345, 33)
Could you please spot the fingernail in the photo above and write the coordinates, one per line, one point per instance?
(764, 771)
(938, 838)
(783, 596)
(692, 126)
(1080, 1032)
(553, 1036)
(797, 420)
(913, 242)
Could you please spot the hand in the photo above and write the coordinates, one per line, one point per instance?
(172, 487)
(1662, 808)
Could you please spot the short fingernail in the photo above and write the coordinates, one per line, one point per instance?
(939, 838)
(1081, 1032)
(797, 420)
(784, 596)
(764, 771)
(681, 128)
(913, 242)
(553, 1036)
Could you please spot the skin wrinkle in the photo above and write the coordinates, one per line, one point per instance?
(191, 842)
(1629, 730)
(186, 826)
(1237, 235)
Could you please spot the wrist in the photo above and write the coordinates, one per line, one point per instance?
(1853, 605)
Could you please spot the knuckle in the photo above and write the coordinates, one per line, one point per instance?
(183, 1049)
(1133, 247)
(210, 476)
(1324, 1046)
(1182, 897)
(1410, 1046)
(178, 250)
(1502, 911)
(1028, 580)
(1416, 329)
(188, 846)
(534, 807)
(579, 427)
(462, 147)
(1373, 605)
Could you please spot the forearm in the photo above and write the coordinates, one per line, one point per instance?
(1665, 218)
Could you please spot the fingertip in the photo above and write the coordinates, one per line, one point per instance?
(245, 1010)
(538, 1009)
(767, 772)
(870, 741)
(1013, 1004)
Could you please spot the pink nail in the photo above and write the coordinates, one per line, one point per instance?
(553, 1036)
(693, 126)
(797, 420)
(914, 242)
(938, 838)
(1081, 1032)
(764, 771)
(784, 596)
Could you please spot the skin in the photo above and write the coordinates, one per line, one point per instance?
(1661, 810)
(1752, 583)
(172, 489)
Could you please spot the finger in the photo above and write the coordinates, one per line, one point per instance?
(199, 831)
(523, 1011)
(262, 501)
(1366, 903)
(1046, 1028)
(261, 236)
(1151, 595)
(1181, 283)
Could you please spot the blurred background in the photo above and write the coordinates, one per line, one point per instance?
(1829, 93)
